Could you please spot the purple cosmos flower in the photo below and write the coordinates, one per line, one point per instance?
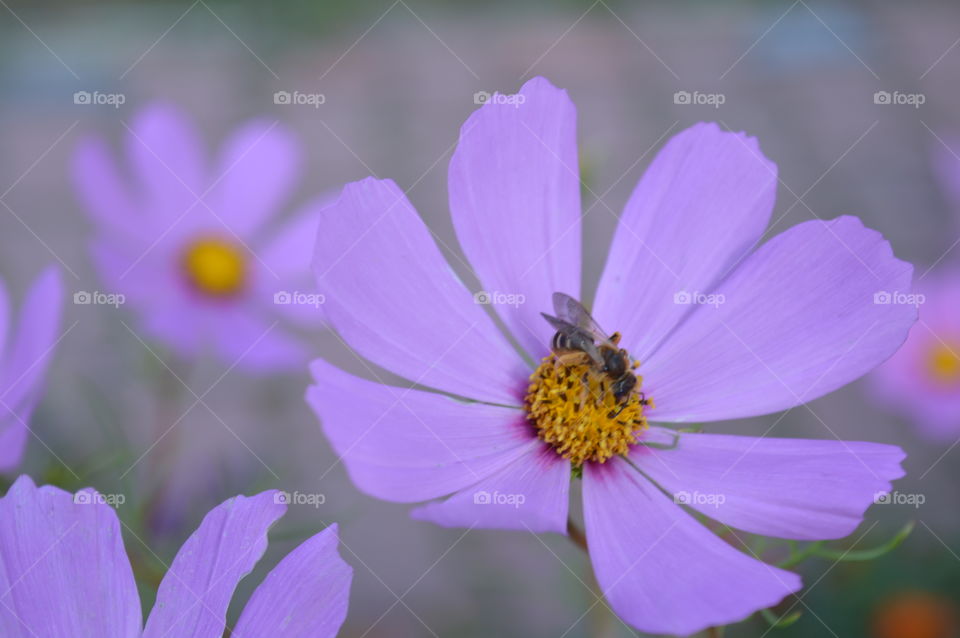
(722, 328)
(922, 380)
(185, 242)
(65, 573)
(24, 355)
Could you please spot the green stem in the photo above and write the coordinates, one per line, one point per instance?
(576, 535)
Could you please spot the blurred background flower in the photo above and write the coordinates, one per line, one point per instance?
(183, 247)
(28, 340)
(380, 87)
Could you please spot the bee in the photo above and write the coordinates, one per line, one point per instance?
(579, 339)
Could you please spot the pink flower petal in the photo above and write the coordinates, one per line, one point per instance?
(529, 494)
(257, 168)
(392, 296)
(63, 569)
(305, 596)
(165, 153)
(661, 570)
(788, 488)
(408, 445)
(701, 205)
(25, 363)
(796, 320)
(515, 201)
(194, 594)
(105, 196)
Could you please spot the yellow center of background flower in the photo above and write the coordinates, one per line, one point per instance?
(576, 413)
(943, 363)
(215, 267)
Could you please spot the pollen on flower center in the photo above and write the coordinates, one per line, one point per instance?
(576, 412)
(215, 267)
(943, 363)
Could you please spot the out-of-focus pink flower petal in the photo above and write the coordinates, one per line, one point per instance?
(287, 255)
(662, 571)
(256, 344)
(908, 382)
(105, 196)
(63, 569)
(305, 596)
(515, 201)
(25, 363)
(530, 494)
(256, 170)
(408, 445)
(194, 594)
(167, 159)
(788, 488)
(392, 296)
(702, 204)
(802, 316)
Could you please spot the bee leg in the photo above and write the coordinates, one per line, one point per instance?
(614, 415)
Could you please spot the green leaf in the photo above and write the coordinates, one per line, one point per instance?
(798, 555)
(868, 554)
(780, 622)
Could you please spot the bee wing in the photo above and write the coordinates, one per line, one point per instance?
(585, 341)
(572, 311)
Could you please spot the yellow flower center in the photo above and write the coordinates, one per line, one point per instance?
(215, 267)
(943, 363)
(576, 412)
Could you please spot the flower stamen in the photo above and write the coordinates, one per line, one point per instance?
(943, 362)
(575, 411)
(215, 267)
